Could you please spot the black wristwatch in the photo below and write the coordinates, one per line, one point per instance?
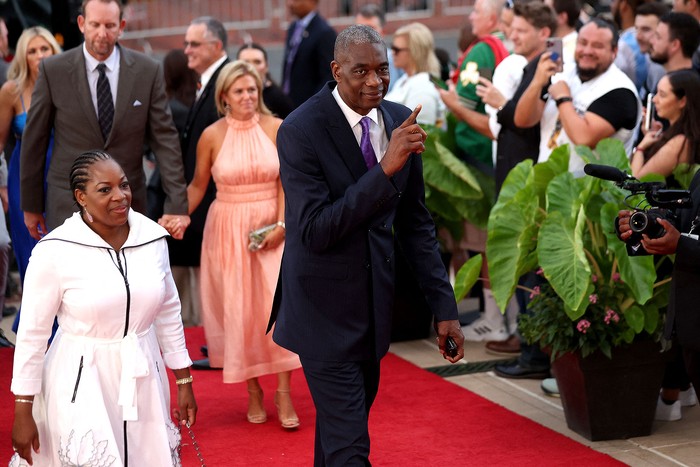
(561, 100)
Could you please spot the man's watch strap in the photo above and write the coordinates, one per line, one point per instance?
(561, 100)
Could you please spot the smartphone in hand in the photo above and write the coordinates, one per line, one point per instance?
(556, 48)
(450, 347)
(486, 73)
(438, 82)
(649, 112)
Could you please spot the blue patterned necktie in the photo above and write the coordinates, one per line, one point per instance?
(294, 42)
(105, 104)
(366, 144)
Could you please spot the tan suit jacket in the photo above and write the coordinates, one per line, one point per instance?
(61, 102)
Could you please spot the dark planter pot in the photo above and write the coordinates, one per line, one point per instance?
(611, 398)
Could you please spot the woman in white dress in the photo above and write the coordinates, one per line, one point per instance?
(99, 395)
(414, 52)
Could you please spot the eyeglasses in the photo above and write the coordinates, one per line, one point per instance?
(194, 44)
(396, 50)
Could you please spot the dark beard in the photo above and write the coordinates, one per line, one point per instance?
(587, 74)
(661, 59)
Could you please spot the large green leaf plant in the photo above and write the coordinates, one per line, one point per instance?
(454, 191)
(546, 220)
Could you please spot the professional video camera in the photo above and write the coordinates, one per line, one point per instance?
(658, 202)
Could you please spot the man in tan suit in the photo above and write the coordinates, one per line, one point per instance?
(98, 96)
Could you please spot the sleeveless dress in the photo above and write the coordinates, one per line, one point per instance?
(238, 285)
(22, 242)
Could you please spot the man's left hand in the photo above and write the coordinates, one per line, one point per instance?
(450, 328)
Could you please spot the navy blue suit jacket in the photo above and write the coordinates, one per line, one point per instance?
(311, 68)
(336, 292)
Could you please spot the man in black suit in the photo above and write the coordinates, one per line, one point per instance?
(343, 211)
(205, 47)
(682, 318)
(308, 52)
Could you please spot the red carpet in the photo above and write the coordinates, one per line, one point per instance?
(419, 419)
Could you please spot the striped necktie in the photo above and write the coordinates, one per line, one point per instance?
(105, 104)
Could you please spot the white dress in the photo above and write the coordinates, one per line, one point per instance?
(97, 381)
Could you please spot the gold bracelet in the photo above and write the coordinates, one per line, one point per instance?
(181, 381)
(25, 401)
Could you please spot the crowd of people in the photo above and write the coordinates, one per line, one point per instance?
(275, 211)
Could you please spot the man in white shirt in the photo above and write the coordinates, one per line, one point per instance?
(585, 104)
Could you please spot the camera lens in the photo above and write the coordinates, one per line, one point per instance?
(639, 221)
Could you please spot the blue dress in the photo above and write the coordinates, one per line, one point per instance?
(22, 242)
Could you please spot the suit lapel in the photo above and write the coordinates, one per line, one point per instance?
(389, 123)
(78, 73)
(342, 136)
(210, 88)
(127, 82)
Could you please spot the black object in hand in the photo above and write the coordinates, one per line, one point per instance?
(450, 347)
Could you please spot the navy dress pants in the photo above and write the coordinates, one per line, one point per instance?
(343, 393)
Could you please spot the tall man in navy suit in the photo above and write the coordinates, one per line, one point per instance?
(308, 53)
(343, 211)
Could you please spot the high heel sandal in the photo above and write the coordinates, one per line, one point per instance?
(290, 422)
(260, 416)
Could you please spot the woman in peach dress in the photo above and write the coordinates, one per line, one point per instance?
(237, 283)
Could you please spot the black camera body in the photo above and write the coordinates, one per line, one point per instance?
(644, 222)
(661, 203)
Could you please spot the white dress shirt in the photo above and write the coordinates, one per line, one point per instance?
(377, 135)
(112, 73)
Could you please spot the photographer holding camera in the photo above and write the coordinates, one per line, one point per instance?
(682, 317)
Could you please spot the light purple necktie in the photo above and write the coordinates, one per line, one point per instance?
(294, 42)
(366, 144)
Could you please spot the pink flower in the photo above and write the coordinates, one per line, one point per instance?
(583, 326)
(593, 298)
(539, 272)
(610, 315)
(535, 292)
(616, 277)
(594, 278)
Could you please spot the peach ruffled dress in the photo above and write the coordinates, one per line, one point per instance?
(238, 285)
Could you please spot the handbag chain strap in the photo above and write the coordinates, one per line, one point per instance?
(195, 444)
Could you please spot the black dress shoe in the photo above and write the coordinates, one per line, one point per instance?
(205, 350)
(203, 364)
(515, 371)
(9, 311)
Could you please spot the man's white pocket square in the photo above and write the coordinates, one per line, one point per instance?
(137, 103)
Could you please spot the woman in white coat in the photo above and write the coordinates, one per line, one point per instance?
(99, 395)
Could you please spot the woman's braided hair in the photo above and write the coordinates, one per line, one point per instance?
(79, 171)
